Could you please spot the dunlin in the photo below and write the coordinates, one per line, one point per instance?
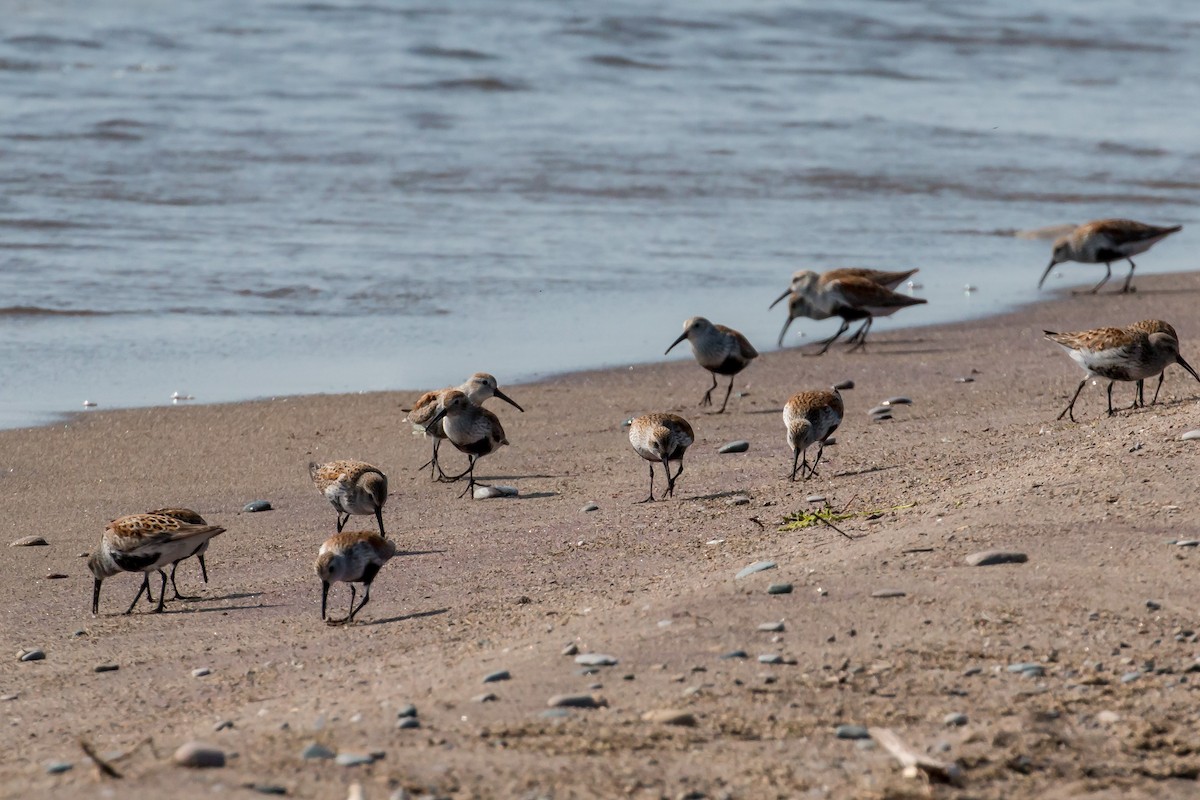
(1118, 354)
(720, 350)
(855, 299)
(144, 543)
(811, 418)
(351, 557)
(1152, 326)
(1104, 241)
(806, 283)
(192, 518)
(351, 487)
(661, 438)
(478, 388)
(471, 429)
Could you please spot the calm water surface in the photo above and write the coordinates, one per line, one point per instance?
(236, 200)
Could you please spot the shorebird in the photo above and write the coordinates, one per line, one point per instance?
(471, 429)
(1118, 354)
(192, 518)
(351, 557)
(144, 543)
(1152, 326)
(720, 350)
(811, 418)
(478, 388)
(806, 283)
(351, 487)
(661, 438)
(854, 299)
(1104, 241)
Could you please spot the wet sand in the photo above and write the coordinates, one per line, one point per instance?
(507, 584)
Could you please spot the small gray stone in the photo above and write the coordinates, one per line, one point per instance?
(779, 588)
(1190, 435)
(815, 498)
(880, 411)
(266, 788)
(670, 716)
(30, 655)
(851, 732)
(407, 723)
(897, 401)
(590, 507)
(257, 505)
(770, 658)
(353, 759)
(1153, 605)
(1187, 543)
(576, 701)
(757, 566)
(59, 767)
(734, 654)
(969, 671)
(1130, 677)
(487, 697)
(1029, 670)
(739, 446)
(198, 755)
(29, 541)
(595, 660)
(738, 500)
(887, 593)
(571, 649)
(4, 698)
(487, 492)
(317, 752)
(880, 417)
(964, 379)
(223, 724)
(956, 719)
(105, 668)
(771, 627)
(406, 710)
(200, 672)
(846, 384)
(987, 558)
(500, 675)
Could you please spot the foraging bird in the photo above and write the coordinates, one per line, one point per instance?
(661, 438)
(351, 487)
(145, 543)
(1151, 326)
(1104, 241)
(351, 557)
(478, 388)
(191, 517)
(1118, 354)
(854, 299)
(806, 283)
(720, 350)
(471, 429)
(811, 418)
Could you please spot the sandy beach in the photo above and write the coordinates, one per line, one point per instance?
(1104, 608)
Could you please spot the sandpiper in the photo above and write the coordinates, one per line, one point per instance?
(1104, 241)
(144, 543)
(1118, 354)
(661, 438)
(192, 518)
(471, 429)
(1152, 326)
(351, 487)
(855, 299)
(720, 350)
(811, 418)
(806, 283)
(478, 388)
(351, 557)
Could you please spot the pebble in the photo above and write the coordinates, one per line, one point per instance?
(406, 710)
(257, 505)
(969, 671)
(570, 649)
(881, 417)
(487, 697)
(771, 627)
(734, 654)
(1108, 717)
(105, 668)
(670, 716)
(266, 788)
(199, 755)
(223, 724)
(897, 401)
(317, 751)
(500, 675)
(956, 719)
(353, 759)
(407, 723)
(757, 566)
(815, 498)
(595, 660)
(880, 410)
(576, 701)
(986, 558)
(851, 732)
(56, 576)
(30, 655)
(770, 658)
(964, 379)
(887, 593)
(1187, 543)
(1153, 605)
(590, 507)
(59, 767)
(1029, 670)
(779, 588)
(4, 698)
(846, 384)
(29, 541)
(487, 492)
(1130, 677)
(739, 446)
(200, 672)
(738, 500)
(1191, 435)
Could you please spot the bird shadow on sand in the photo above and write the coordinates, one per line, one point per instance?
(419, 552)
(210, 609)
(403, 617)
(715, 495)
(866, 471)
(217, 599)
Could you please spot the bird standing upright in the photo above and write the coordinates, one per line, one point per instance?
(720, 350)
(471, 429)
(478, 388)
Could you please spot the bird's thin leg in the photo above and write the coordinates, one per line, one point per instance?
(1096, 288)
(342, 518)
(671, 478)
(813, 469)
(1161, 376)
(650, 499)
(728, 391)
(177, 596)
(454, 478)
(470, 477)
(1070, 409)
(707, 399)
(96, 596)
(825, 343)
(1129, 277)
(145, 587)
(1139, 398)
(162, 591)
(324, 597)
(861, 335)
(203, 567)
(1110, 408)
(366, 597)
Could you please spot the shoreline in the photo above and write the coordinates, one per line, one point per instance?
(887, 629)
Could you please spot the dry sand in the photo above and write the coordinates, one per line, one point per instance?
(506, 584)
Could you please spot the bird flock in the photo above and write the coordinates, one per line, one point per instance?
(149, 542)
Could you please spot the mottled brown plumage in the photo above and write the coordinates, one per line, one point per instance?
(1103, 241)
(351, 487)
(661, 438)
(478, 388)
(189, 516)
(806, 285)
(471, 429)
(720, 350)
(351, 557)
(811, 418)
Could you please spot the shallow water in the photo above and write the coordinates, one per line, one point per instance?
(238, 200)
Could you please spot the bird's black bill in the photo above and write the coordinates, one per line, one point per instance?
(509, 400)
(682, 336)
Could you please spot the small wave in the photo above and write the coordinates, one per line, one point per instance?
(45, 40)
(280, 293)
(1010, 38)
(457, 53)
(621, 62)
(1131, 150)
(13, 65)
(36, 224)
(38, 311)
(485, 83)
